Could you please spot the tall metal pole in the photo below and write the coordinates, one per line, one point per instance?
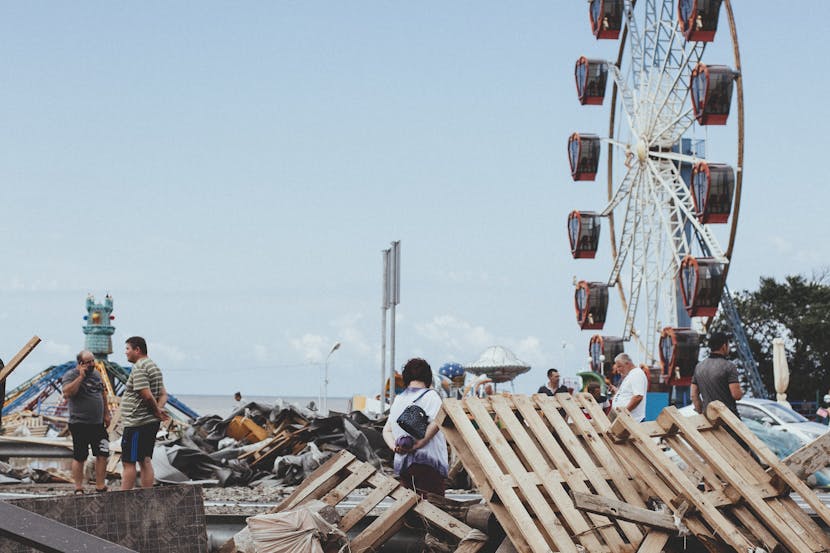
(384, 306)
(334, 348)
(395, 289)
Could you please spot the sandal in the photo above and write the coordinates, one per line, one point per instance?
(102, 490)
(79, 492)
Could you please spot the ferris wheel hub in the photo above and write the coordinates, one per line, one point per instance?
(642, 150)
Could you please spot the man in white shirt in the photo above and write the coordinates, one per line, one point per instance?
(631, 393)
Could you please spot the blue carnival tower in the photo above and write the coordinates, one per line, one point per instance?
(98, 327)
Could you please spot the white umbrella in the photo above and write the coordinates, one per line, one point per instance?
(780, 371)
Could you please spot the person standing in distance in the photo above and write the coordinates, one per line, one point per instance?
(716, 378)
(141, 411)
(552, 386)
(89, 417)
(631, 392)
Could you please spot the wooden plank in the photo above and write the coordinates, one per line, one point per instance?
(429, 512)
(800, 522)
(382, 489)
(573, 408)
(385, 525)
(725, 467)
(328, 469)
(575, 520)
(810, 458)
(654, 542)
(18, 358)
(626, 426)
(559, 535)
(718, 411)
(470, 546)
(360, 471)
(559, 460)
(619, 509)
(756, 527)
(604, 453)
(514, 518)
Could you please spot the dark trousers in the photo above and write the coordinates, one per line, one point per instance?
(423, 479)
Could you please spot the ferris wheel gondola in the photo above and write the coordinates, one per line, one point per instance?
(663, 196)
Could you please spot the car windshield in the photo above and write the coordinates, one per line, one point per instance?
(786, 414)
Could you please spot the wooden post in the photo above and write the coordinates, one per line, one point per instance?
(7, 370)
(17, 359)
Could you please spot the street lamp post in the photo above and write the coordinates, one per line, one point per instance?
(325, 406)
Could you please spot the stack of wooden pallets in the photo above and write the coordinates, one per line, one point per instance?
(343, 473)
(35, 425)
(560, 477)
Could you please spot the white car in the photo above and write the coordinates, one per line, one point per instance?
(772, 413)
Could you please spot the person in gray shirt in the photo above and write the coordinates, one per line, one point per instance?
(716, 378)
(88, 418)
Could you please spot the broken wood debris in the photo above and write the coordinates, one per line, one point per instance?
(343, 473)
(560, 481)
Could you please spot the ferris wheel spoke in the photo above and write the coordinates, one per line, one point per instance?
(636, 42)
(622, 191)
(630, 224)
(639, 249)
(675, 156)
(675, 127)
(628, 96)
(668, 229)
(675, 95)
(683, 213)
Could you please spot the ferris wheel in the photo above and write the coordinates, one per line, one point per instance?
(672, 207)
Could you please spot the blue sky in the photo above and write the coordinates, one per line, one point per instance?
(231, 173)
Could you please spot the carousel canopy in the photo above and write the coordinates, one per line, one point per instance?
(499, 364)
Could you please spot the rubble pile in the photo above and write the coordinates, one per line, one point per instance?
(259, 442)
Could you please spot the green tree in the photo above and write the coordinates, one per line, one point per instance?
(798, 311)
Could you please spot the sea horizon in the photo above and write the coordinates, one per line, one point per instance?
(224, 404)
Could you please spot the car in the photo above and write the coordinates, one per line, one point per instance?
(772, 413)
(782, 429)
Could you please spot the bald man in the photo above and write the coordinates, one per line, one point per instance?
(631, 393)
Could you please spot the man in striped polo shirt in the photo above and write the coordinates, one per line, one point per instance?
(141, 412)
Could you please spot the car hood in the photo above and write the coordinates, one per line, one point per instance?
(809, 430)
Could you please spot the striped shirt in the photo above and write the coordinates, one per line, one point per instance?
(134, 411)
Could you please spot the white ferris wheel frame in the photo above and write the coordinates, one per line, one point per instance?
(659, 225)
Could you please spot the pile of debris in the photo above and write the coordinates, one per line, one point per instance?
(557, 475)
(259, 442)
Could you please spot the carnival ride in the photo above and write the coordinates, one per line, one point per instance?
(35, 393)
(671, 213)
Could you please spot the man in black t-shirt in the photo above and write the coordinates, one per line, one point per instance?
(552, 386)
(716, 378)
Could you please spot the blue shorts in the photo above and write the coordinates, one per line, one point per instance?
(137, 442)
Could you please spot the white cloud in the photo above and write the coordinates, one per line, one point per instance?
(350, 334)
(464, 341)
(260, 353)
(811, 256)
(57, 350)
(163, 352)
(455, 334)
(310, 346)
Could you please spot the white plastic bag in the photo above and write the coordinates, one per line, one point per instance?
(289, 532)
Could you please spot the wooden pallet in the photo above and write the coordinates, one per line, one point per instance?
(36, 426)
(734, 497)
(525, 454)
(343, 473)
